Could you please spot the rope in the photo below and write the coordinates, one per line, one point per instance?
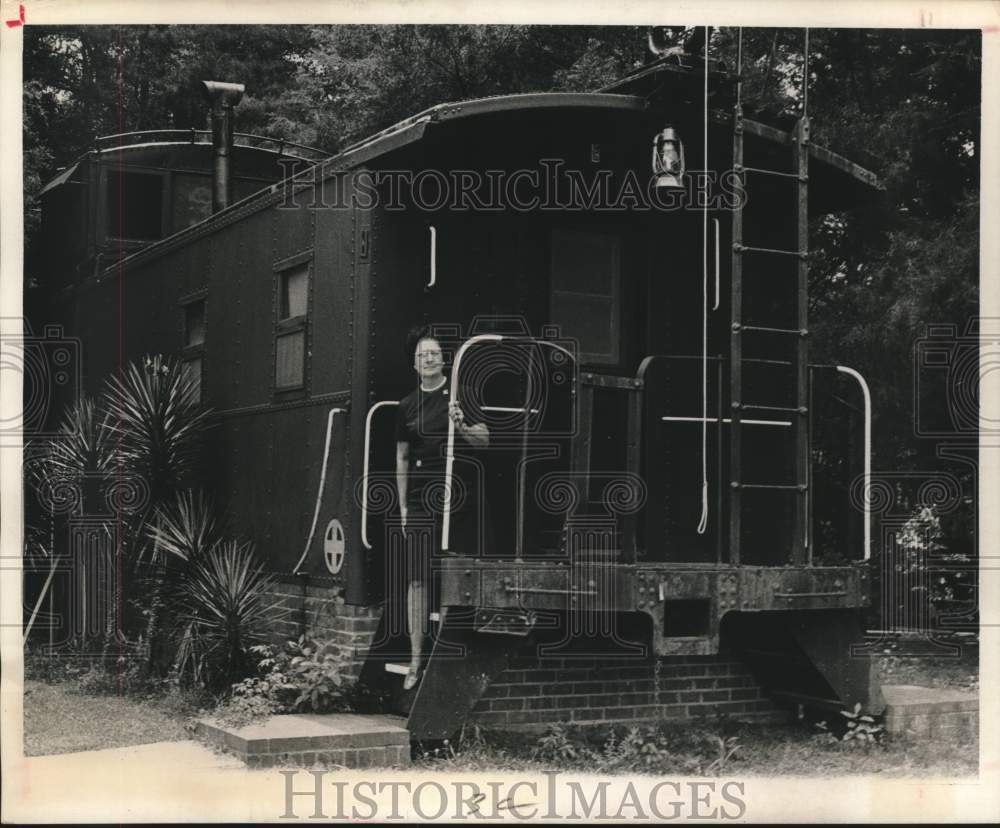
(805, 77)
(703, 522)
(739, 66)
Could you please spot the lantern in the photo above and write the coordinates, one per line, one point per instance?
(668, 159)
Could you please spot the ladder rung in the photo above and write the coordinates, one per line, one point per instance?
(761, 170)
(780, 408)
(725, 421)
(742, 248)
(505, 409)
(764, 329)
(398, 669)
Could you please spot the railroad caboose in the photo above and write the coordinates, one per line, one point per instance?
(620, 279)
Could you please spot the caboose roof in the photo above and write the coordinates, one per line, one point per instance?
(413, 128)
(179, 145)
(838, 182)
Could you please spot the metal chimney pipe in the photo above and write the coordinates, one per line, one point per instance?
(223, 97)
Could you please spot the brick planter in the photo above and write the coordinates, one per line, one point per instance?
(305, 740)
(931, 713)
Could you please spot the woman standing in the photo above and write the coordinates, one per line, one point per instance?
(421, 441)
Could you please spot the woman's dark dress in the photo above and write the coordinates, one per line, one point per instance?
(422, 422)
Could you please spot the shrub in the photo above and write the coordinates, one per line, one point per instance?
(303, 676)
(855, 727)
(222, 613)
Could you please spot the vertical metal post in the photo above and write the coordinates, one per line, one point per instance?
(719, 416)
(522, 466)
(736, 348)
(800, 541)
(630, 543)
(580, 447)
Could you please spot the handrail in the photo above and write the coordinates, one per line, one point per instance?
(364, 477)
(449, 464)
(433, 280)
(866, 393)
(203, 136)
(715, 306)
(322, 485)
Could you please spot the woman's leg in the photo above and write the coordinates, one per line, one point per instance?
(416, 602)
(416, 610)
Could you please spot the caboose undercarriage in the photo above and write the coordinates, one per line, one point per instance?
(794, 626)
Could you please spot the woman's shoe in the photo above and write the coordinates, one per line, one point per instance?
(412, 677)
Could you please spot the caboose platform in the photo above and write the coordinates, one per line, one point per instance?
(685, 602)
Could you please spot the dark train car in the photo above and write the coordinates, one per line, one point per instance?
(633, 333)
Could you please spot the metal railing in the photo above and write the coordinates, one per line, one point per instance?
(450, 453)
(122, 140)
(364, 475)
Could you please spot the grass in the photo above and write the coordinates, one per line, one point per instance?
(735, 748)
(691, 749)
(61, 716)
(59, 720)
(916, 661)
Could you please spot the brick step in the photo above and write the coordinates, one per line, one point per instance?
(931, 712)
(751, 710)
(618, 688)
(349, 740)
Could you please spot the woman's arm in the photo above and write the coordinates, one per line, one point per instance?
(477, 435)
(402, 475)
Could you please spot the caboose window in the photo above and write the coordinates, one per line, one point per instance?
(134, 205)
(194, 323)
(193, 353)
(290, 332)
(584, 299)
(294, 290)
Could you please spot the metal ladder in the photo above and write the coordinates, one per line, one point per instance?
(739, 331)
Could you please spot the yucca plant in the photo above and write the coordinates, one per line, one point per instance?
(158, 425)
(221, 613)
(184, 527)
(81, 449)
(82, 443)
(62, 473)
